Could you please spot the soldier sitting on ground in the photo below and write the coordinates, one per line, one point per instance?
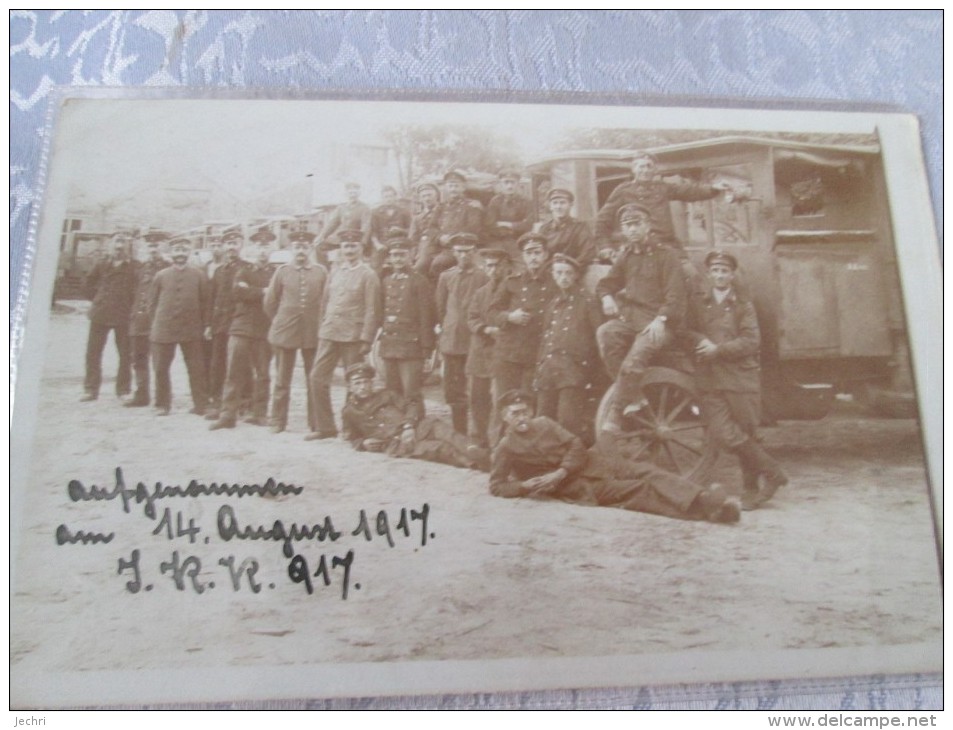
(538, 458)
(382, 421)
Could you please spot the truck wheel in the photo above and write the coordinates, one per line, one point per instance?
(669, 432)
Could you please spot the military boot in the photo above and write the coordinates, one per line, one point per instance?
(767, 467)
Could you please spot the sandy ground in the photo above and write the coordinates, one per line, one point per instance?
(843, 557)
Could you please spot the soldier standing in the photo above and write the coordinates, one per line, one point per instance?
(568, 355)
(517, 309)
(407, 333)
(509, 215)
(644, 294)
(723, 328)
(249, 352)
(457, 214)
(139, 322)
(111, 287)
(351, 318)
(479, 368)
(564, 234)
(455, 289)
(351, 215)
(222, 306)
(179, 306)
(293, 302)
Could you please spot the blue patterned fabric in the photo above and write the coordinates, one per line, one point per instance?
(874, 57)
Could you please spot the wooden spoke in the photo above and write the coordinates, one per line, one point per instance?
(686, 446)
(682, 404)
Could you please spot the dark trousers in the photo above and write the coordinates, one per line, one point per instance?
(731, 418)
(512, 376)
(406, 377)
(162, 355)
(481, 406)
(626, 354)
(95, 344)
(218, 367)
(249, 360)
(139, 351)
(284, 369)
(567, 407)
(330, 353)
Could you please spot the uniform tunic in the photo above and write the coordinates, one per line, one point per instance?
(385, 217)
(513, 209)
(293, 301)
(112, 290)
(568, 354)
(531, 293)
(407, 332)
(571, 237)
(140, 324)
(654, 195)
(455, 290)
(249, 318)
(179, 305)
(351, 305)
(349, 216)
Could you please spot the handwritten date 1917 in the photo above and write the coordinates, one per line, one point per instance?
(299, 572)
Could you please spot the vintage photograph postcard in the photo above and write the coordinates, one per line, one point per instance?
(350, 398)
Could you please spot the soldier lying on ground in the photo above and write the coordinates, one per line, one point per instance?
(383, 421)
(539, 458)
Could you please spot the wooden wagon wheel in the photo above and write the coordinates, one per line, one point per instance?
(668, 431)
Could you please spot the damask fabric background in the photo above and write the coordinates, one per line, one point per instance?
(892, 59)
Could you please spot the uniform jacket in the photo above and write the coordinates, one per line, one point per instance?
(520, 343)
(385, 217)
(568, 355)
(513, 209)
(420, 227)
(381, 416)
(547, 446)
(352, 307)
(112, 290)
(221, 302)
(480, 357)
(354, 216)
(139, 322)
(571, 237)
(293, 301)
(179, 305)
(250, 319)
(733, 327)
(654, 195)
(455, 289)
(646, 282)
(407, 331)
(456, 216)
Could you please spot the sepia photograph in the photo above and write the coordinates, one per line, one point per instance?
(361, 397)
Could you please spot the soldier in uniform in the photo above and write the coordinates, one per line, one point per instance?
(564, 234)
(517, 309)
(540, 459)
(644, 295)
(351, 316)
(509, 215)
(483, 332)
(407, 334)
(222, 306)
(455, 289)
(651, 192)
(294, 303)
(456, 214)
(383, 421)
(389, 214)
(111, 286)
(249, 352)
(178, 311)
(568, 355)
(723, 329)
(216, 259)
(428, 196)
(351, 215)
(139, 322)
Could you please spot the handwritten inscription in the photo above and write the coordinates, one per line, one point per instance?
(193, 571)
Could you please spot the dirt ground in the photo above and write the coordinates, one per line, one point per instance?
(842, 557)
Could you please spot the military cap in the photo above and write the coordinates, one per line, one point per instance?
(232, 234)
(154, 235)
(721, 257)
(464, 240)
(561, 258)
(495, 254)
(509, 173)
(350, 236)
(262, 235)
(427, 185)
(631, 212)
(528, 238)
(180, 241)
(560, 193)
(398, 242)
(294, 236)
(514, 397)
(359, 369)
(454, 175)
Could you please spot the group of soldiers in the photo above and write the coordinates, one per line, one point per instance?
(503, 302)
